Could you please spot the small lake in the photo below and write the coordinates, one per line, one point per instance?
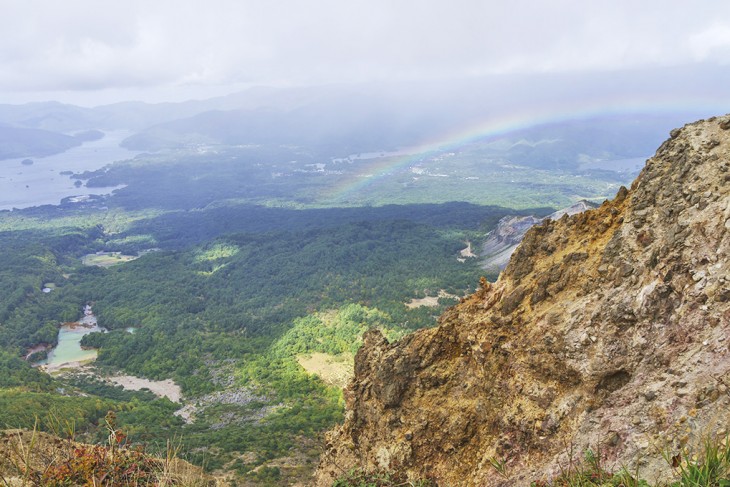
(68, 352)
(42, 183)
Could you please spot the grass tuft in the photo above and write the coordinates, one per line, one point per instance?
(706, 465)
(378, 478)
(33, 458)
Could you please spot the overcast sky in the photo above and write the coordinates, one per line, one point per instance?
(95, 51)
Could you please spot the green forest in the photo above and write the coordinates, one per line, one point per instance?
(230, 270)
(222, 300)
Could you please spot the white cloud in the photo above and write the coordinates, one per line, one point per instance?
(183, 45)
(712, 43)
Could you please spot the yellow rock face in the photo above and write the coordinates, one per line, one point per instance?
(608, 329)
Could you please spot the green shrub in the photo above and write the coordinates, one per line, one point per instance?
(379, 478)
(706, 465)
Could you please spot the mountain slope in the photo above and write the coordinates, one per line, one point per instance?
(336, 124)
(23, 142)
(504, 239)
(607, 329)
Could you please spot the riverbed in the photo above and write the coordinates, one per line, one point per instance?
(69, 357)
(161, 388)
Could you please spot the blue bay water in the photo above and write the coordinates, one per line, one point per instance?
(41, 183)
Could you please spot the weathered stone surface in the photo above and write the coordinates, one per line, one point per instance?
(598, 328)
(509, 232)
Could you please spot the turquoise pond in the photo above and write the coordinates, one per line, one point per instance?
(69, 346)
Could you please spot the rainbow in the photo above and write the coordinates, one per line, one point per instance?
(372, 171)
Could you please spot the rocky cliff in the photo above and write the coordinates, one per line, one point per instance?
(607, 330)
(501, 242)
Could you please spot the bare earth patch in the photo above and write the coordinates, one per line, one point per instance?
(56, 369)
(106, 259)
(162, 388)
(429, 301)
(335, 370)
(467, 251)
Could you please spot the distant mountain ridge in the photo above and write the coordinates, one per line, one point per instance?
(339, 120)
(18, 142)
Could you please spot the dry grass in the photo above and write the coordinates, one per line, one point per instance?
(335, 370)
(30, 458)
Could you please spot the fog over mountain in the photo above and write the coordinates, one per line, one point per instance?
(402, 74)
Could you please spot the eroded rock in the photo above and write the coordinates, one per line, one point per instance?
(608, 324)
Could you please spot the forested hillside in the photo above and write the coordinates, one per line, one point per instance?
(233, 283)
(225, 302)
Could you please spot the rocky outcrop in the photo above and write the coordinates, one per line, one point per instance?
(608, 329)
(509, 232)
